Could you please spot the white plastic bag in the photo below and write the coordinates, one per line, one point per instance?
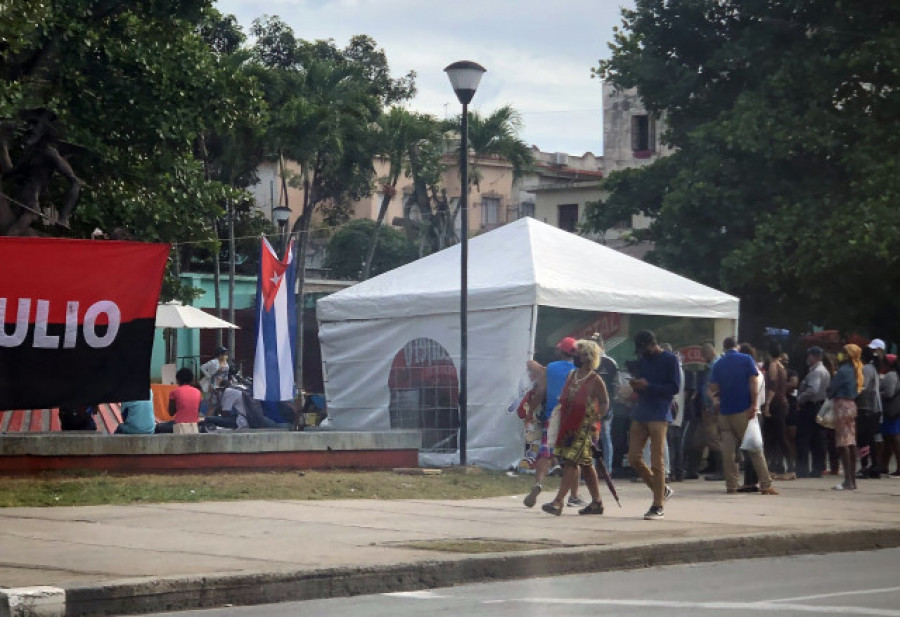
(753, 441)
(553, 427)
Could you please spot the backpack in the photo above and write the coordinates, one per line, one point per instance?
(79, 418)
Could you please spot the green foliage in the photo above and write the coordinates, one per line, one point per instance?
(497, 134)
(349, 248)
(784, 186)
(135, 85)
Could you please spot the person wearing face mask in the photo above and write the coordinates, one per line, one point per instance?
(843, 390)
(583, 402)
(554, 377)
(656, 382)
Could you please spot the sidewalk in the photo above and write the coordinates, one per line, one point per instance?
(130, 559)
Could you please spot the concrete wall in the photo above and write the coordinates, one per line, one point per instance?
(619, 108)
(234, 450)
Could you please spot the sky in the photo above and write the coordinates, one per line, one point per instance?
(538, 55)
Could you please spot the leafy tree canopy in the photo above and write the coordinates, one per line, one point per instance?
(784, 187)
(134, 85)
(349, 247)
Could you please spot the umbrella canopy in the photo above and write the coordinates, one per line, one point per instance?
(177, 315)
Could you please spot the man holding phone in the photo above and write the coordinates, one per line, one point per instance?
(656, 380)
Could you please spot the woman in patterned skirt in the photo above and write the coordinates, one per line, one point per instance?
(583, 402)
(846, 384)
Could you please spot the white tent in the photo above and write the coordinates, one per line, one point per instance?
(408, 319)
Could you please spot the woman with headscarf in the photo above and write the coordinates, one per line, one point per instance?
(582, 402)
(845, 386)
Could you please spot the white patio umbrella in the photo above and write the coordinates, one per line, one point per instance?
(174, 314)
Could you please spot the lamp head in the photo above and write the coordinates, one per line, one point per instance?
(282, 215)
(464, 77)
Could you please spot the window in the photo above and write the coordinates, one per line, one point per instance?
(623, 225)
(425, 394)
(568, 217)
(643, 135)
(490, 211)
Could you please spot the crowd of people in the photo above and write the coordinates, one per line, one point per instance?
(218, 400)
(737, 410)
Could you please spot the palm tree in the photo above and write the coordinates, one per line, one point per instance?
(498, 134)
(400, 135)
(325, 125)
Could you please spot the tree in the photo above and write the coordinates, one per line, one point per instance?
(134, 85)
(349, 248)
(400, 132)
(325, 104)
(497, 135)
(782, 185)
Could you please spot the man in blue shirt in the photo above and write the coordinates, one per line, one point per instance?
(656, 383)
(734, 383)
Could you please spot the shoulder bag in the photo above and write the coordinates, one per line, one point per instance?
(825, 417)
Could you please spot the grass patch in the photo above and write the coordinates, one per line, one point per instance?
(99, 488)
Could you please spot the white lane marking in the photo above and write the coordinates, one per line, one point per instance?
(416, 595)
(838, 593)
(747, 606)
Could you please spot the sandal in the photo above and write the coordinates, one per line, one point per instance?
(595, 507)
(552, 508)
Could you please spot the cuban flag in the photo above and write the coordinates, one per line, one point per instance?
(276, 326)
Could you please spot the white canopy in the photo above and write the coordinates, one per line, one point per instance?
(174, 314)
(391, 345)
(526, 263)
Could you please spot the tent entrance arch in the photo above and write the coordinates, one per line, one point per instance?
(424, 394)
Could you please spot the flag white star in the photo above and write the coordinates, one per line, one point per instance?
(275, 278)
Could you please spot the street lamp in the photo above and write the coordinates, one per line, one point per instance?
(282, 215)
(464, 77)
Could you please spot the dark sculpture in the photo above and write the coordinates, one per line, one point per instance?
(39, 160)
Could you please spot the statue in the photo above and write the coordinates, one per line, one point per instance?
(39, 160)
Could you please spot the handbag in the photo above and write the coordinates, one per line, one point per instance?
(825, 417)
(752, 441)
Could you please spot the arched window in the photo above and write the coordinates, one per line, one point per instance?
(425, 394)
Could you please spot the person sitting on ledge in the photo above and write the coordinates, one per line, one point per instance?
(137, 418)
(184, 403)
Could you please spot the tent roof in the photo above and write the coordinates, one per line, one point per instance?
(525, 263)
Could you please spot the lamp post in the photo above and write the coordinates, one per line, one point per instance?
(282, 214)
(464, 77)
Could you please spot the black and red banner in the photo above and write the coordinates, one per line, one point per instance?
(76, 320)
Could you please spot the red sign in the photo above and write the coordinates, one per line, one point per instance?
(77, 320)
(606, 324)
(692, 355)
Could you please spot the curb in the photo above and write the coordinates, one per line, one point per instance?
(135, 596)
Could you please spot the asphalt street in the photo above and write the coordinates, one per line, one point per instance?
(862, 583)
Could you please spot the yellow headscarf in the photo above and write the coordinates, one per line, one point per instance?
(854, 352)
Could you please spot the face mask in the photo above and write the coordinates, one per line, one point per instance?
(577, 361)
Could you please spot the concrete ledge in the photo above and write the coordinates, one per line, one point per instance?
(77, 444)
(33, 602)
(183, 593)
(251, 450)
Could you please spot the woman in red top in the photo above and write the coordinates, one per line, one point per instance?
(582, 402)
(184, 403)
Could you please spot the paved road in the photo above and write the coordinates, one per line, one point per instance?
(837, 584)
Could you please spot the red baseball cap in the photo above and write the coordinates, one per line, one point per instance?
(567, 346)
